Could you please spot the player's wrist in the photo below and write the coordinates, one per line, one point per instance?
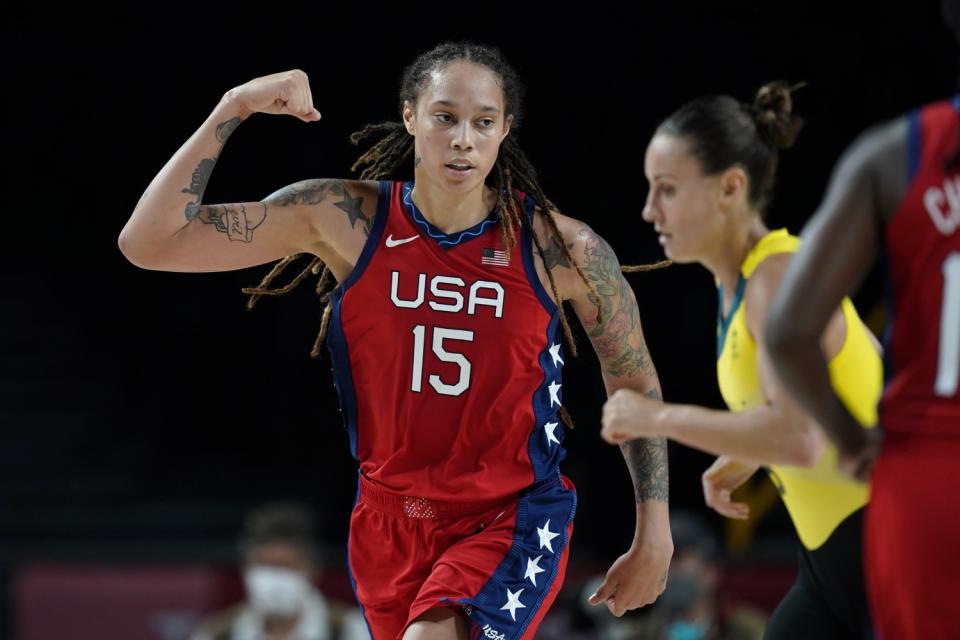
(231, 107)
(653, 524)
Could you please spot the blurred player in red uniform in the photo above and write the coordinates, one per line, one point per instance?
(896, 192)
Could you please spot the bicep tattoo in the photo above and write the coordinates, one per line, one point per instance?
(618, 338)
(317, 191)
(234, 220)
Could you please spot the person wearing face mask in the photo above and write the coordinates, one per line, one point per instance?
(279, 561)
(711, 167)
(693, 607)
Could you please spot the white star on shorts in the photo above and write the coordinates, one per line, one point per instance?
(533, 568)
(546, 536)
(513, 603)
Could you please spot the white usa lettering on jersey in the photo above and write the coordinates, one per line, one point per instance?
(449, 294)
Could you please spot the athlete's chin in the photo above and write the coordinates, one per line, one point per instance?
(677, 254)
(463, 182)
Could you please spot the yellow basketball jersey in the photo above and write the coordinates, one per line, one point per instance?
(818, 498)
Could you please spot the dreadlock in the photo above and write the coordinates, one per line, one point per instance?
(391, 154)
(393, 150)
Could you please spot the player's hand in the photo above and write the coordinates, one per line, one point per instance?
(628, 415)
(638, 577)
(720, 480)
(858, 462)
(285, 93)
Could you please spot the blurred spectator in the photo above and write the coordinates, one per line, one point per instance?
(280, 563)
(691, 608)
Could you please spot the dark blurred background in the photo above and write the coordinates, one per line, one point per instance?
(142, 413)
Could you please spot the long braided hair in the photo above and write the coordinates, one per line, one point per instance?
(391, 154)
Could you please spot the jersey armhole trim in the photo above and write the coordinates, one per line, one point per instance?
(914, 144)
(379, 224)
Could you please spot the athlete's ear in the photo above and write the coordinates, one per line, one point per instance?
(733, 188)
(506, 127)
(409, 117)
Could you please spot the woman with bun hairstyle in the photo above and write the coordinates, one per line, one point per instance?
(711, 167)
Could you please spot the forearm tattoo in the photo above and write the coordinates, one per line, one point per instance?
(234, 220)
(198, 184)
(647, 461)
(203, 171)
(619, 343)
(316, 191)
(618, 340)
(225, 129)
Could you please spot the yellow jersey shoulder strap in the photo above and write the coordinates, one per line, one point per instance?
(778, 241)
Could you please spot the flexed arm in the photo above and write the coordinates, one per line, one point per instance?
(172, 229)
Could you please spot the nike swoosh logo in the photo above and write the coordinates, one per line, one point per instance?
(393, 243)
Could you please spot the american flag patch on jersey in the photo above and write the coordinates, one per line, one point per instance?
(493, 257)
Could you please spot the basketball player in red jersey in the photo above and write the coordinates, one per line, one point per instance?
(445, 335)
(896, 192)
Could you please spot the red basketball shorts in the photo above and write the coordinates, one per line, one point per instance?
(498, 564)
(912, 530)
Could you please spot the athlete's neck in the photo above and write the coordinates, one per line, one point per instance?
(452, 212)
(725, 262)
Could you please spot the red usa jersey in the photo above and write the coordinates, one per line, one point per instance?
(447, 358)
(923, 252)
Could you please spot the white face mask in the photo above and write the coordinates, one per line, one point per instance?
(276, 591)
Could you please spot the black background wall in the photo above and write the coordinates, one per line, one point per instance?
(143, 410)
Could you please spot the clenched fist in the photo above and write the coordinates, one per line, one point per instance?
(285, 93)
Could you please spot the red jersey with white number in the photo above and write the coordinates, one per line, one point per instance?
(923, 250)
(447, 358)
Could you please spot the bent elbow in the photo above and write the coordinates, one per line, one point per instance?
(137, 252)
(810, 448)
(130, 249)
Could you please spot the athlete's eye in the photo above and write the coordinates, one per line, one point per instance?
(445, 118)
(486, 123)
(667, 190)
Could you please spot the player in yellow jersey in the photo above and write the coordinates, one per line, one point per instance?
(711, 167)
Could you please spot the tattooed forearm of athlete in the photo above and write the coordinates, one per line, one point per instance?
(647, 461)
(316, 191)
(201, 174)
(617, 338)
(225, 129)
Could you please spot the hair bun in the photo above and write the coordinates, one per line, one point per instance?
(772, 110)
